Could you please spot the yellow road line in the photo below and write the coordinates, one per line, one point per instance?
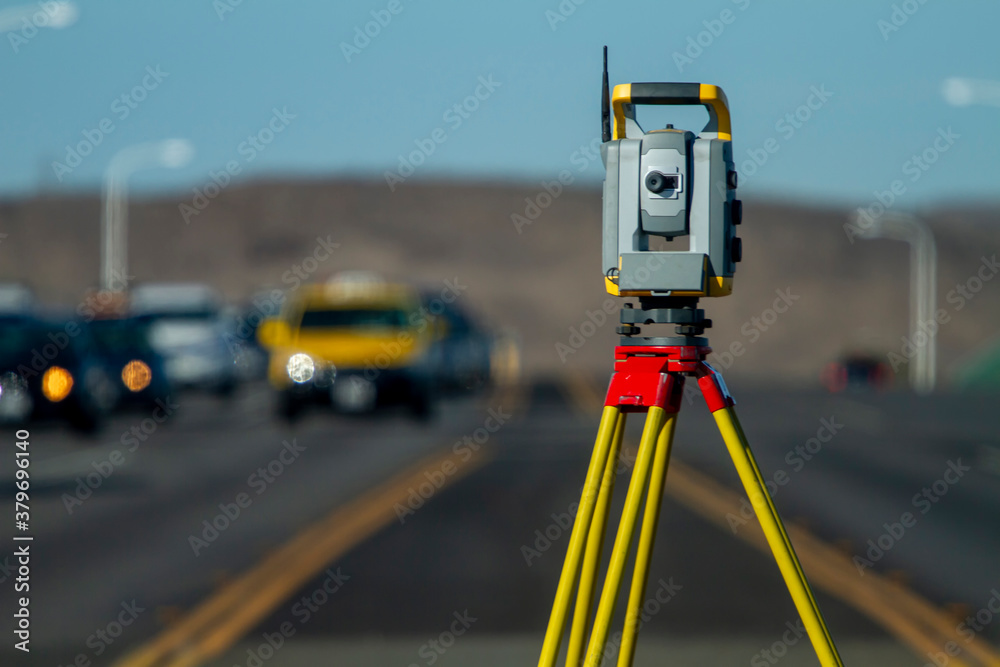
(226, 616)
(904, 614)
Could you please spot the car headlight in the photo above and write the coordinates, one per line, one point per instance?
(136, 375)
(301, 368)
(15, 401)
(57, 382)
(11, 383)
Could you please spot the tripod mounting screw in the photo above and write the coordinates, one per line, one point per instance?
(627, 330)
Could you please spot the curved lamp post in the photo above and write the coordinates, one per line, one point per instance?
(170, 154)
(962, 92)
(923, 287)
(58, 15)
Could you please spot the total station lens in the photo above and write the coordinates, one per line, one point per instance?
(658, 182)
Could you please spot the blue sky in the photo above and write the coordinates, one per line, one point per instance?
(223, 73)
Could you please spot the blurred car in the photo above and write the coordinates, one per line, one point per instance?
(139, 373)
(189, 330)
(17, 299)
(51, 371)
(462, 349)
(356, 345)
(251, 356)
(857, 372)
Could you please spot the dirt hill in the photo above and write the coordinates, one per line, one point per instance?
(540, 280)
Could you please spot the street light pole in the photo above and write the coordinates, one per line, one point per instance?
(57, 15)
(113, 244)
(171, 153)
(963, 92)
(923, 287)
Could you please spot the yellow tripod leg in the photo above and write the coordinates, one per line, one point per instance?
(650, 519)
(592, 551)
(581, 526)
(623, 540)
(777, 538)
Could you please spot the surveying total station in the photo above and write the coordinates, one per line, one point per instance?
(667, 186)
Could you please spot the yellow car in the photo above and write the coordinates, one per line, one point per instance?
(353, 345)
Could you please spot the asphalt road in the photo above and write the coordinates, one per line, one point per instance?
(477, 549)
(133, 537)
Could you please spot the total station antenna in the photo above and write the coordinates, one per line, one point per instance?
(605, 103)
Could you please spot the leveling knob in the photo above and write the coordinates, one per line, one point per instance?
(736, 249)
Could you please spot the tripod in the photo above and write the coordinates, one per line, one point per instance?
(649, 377)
